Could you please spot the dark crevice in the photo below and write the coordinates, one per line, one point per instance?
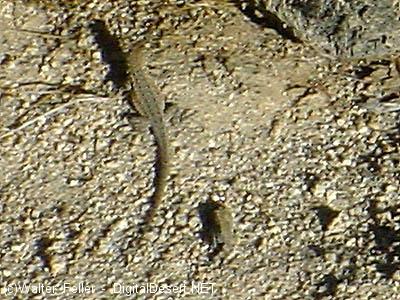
(211, 227)
(325, 215)
(386, 251)
(261, 16)
(41, 250)
(327, 287)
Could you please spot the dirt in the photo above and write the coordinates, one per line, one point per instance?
(301, 150)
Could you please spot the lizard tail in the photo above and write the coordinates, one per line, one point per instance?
(160, 183)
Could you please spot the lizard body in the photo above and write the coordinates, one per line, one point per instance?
(149, 103)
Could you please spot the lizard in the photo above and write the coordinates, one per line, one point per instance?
(149, 103)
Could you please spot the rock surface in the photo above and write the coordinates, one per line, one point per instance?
(348, 29)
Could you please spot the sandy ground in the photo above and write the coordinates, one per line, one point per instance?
(300, 153)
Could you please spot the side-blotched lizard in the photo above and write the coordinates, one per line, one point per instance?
(149, 103)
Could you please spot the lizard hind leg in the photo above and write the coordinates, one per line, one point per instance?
(137, 122)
